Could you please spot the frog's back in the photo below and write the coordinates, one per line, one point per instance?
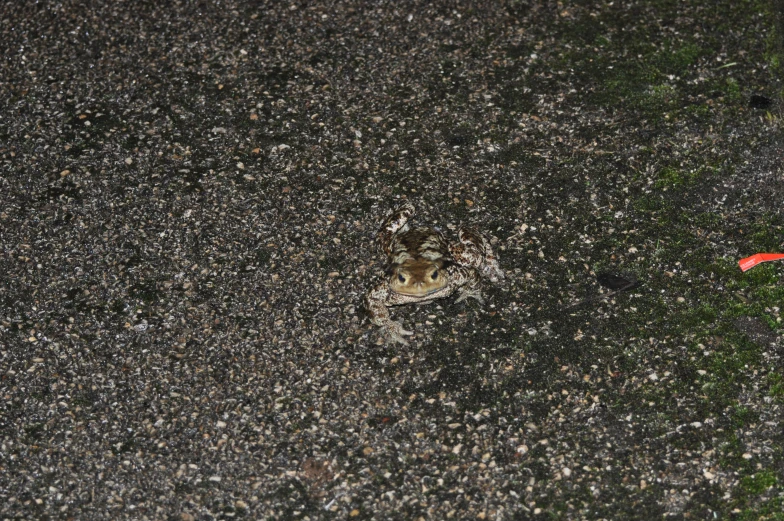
(419, 243)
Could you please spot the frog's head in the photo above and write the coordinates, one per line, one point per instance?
(418, 277)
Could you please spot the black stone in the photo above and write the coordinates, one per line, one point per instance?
(759, 102)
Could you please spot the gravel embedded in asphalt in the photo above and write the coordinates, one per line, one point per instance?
(189, 197)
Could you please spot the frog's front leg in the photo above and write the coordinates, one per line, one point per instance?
(476, 252)
(377, 301)
(393, 223)
(466, 282)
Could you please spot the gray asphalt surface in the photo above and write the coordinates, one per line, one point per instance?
(189, 198)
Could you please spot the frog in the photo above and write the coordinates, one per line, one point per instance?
(423, 266)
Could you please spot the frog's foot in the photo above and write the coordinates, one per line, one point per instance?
(393, 332)
(393, 223)
(492, 271)
(474, 293)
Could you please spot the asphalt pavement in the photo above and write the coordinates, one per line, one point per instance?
(189, 198)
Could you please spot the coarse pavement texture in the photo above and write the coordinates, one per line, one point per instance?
(189, 196)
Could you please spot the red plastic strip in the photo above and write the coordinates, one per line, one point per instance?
(750, 262)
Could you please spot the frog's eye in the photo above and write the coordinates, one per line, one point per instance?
(401, 278)
(434, 276)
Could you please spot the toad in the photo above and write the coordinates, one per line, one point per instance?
(423, 266)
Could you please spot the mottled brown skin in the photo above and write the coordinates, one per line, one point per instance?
(424, 266)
